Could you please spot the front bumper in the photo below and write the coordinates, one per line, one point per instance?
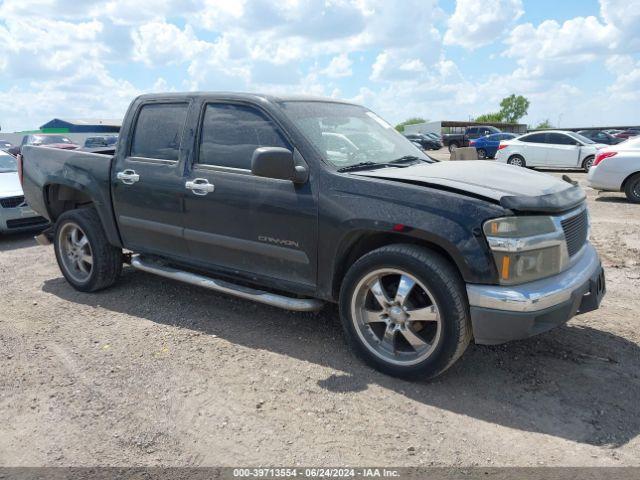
(503, 313)
(20, 219)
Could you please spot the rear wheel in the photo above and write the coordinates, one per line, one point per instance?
(453, 146)
(517, 160)
(587, 163)
(632, 189)
(482, 153)
(86, 259)
(404, 311)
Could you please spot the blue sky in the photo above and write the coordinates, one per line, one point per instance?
(577, 61)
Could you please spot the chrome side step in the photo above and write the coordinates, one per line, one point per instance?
(273, 299)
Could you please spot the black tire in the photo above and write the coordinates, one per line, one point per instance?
(587, 163)
(106, 263)
(632, 188)
(482, 153)
(517, 160)
(449, 295)
(453, 146)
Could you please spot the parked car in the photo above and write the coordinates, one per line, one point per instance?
(617, 169)
(15, 214)
(421, 256)
(551, 149)
(631, 132)
(100, 141)
(487, 146)
(457, 140)
(426, 142)
(4, 145)
(600, 136)
(612, 131)
(45, 140)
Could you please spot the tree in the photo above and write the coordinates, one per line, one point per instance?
(410, 121)
(489, 117)
(513, 108)
(544, 124)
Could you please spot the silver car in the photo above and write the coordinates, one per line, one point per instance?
(617, 169)
(15, 214)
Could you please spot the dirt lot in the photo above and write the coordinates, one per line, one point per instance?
(153, 372)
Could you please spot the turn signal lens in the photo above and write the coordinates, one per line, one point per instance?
(510, 227)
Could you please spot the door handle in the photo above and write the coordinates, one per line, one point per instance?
(199, 186)
(128, 177)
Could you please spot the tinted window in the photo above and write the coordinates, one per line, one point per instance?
(472, 130)
(560, 139)
(231, 133)
(158, 131)
(534, 138)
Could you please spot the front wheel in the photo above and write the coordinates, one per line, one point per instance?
(86, 259)
(587, 163)
(632, 189)
(404, 311)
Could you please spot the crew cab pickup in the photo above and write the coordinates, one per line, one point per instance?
(244, 194)
(457, 140)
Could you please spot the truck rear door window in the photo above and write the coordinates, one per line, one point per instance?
(158, 131)
(231, 133)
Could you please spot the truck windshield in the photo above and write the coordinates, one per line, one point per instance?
(348, 134)
(7, 164)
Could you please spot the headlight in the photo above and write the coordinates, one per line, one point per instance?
(526, 248)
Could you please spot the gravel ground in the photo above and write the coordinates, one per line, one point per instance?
(153, 372)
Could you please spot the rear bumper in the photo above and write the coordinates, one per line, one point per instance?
(601, 179)
(503, 313)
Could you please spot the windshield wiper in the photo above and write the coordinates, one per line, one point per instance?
(397, 163)
(407, 158)
(362, 166)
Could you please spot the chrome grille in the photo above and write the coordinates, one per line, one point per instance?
(11, 202)
(576, 229)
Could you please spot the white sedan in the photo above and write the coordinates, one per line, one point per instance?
(550, 149)
(617, 169)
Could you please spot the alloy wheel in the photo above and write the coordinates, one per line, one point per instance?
(75, 252)
(396, 317)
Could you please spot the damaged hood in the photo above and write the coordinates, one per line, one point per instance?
(513, 187)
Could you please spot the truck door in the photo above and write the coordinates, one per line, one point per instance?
(147, 180)
(250, 225)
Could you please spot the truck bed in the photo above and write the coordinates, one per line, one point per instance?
(89, 173)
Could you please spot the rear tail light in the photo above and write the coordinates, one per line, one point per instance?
(472, 143)
(600, 156)
(19, 162)
(501, 146)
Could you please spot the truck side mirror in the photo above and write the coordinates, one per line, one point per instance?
(278, 163)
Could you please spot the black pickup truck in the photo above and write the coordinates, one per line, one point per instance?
(457, 140)
(296, 201)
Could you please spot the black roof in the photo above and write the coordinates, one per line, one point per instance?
(255, 97)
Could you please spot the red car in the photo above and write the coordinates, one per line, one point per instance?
(44, 139)
(632, 132)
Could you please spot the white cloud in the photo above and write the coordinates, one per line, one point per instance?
(161, 43)
(339, 66)
(478, 23)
